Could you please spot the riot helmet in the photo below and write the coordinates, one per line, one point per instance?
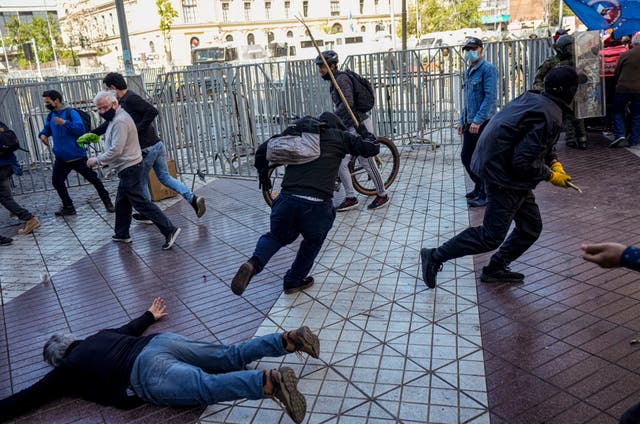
(564, 46)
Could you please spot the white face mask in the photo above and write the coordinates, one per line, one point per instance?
(471, 56)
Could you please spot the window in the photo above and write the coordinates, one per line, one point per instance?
(152, 47)
(228, 38)
(270, 37)
(336, 28)
(225, 12)
(289, 34)
(190, 10)
(379, 27)
(113, 27)
(251, 39)
(305, 8)
(335, 8)
(267, 9)
(362, 7)
(353, 40)
(247, 10)
(287, 6)
(306, 44)
(363, 28)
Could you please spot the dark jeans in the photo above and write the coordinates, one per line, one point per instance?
(620, 102)
(6, 197)
(503, 207)
(130, 195)
(290, 217)
(469, 142)
(61, 170)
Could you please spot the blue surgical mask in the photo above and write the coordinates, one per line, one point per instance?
(471, 56)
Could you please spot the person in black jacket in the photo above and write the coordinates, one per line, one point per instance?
(154, 151)
(305, 203)
(122, 368)
(514, 153)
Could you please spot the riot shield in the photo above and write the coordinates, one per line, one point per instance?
(590, 98)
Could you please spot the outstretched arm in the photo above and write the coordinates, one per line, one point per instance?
(612, 255)
(137, 326)
(52, 386)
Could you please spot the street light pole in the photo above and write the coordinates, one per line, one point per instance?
(404, 24)
(124, 38)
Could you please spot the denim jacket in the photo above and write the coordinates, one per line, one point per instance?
(480, 92)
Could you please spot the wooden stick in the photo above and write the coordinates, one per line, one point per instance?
(333, 79)
(573, 186)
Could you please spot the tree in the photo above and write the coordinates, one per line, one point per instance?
(439, 15)
(19, 33)
(167, 15)
(552, 9)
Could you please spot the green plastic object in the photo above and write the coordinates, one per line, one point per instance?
(88, 138)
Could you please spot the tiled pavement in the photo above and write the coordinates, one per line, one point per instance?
(555, 349)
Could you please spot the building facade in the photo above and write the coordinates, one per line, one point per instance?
(254, 28)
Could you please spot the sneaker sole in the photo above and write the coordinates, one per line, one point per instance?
(378, 207)
(312, 341)
(296, 405)
(424, 261)
(172, 240)
(143, 221)
(615, 143)
(348, 208)
(122, 240)
(294, 290)
(241, 279)
(202, 207)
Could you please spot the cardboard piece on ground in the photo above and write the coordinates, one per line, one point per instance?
(157, 190)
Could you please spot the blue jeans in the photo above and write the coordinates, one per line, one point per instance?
(130, 196)
(156, 157)
(292, 216)
(620, 102)
(175, 371)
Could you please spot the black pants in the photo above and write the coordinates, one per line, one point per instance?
(6, 197)
(631, 416)
(61, 170)
(504, 206)
(130, 195)
(469, 142)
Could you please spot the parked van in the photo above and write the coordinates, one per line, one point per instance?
(447, 38)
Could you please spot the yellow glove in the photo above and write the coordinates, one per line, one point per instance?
(557, 167)
(559, 179)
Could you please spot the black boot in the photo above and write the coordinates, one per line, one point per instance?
(500, 275)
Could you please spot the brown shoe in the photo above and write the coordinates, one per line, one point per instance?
(29, 226)
(286, 391)
(304, 284)
(241, 279)
(304, 340)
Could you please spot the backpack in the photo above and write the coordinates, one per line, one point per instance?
(364, 96)
(86, 118)
(8, 142)
(296, 145)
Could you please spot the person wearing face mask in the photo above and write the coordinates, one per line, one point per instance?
(480, 89)
(123, 155)
(65, 125)
(511, 163)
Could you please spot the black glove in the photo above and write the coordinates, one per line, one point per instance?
(363, 131)
(264, 182)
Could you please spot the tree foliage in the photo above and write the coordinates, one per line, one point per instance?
(167, 15)
(19, 33)
(442, 15)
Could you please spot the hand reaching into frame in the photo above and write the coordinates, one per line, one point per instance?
(158, 308)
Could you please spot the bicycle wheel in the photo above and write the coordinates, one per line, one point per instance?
(388, 161)
(276, 174)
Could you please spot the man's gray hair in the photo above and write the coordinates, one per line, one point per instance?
(55, 348)
(636, 39)
(109, 95)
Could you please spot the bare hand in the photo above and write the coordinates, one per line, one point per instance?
(460, 129)
(474, 128)
(158, 308)
(91, 162)
(59, 121)
(44, 139)
(607, 255)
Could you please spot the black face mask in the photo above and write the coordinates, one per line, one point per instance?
(50, 106)
(326, 77)
(109, 115)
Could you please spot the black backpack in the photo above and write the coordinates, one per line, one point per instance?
(86, 118)
(364, 97)
(8, 142)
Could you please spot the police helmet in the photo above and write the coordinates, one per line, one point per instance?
(564, 45)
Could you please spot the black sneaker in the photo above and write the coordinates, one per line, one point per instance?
(617, 142)
(477, 202)
(109, 206)
(430, 267)
(378, 202)
(120, 239)
(171, 239)
(241, 279)
(472, 194)
(138, 217)
(66, 211)
(198, 205)
(348, 203)
(501, 276)
(5, 241)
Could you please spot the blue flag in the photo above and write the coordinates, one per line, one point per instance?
(622, 16)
